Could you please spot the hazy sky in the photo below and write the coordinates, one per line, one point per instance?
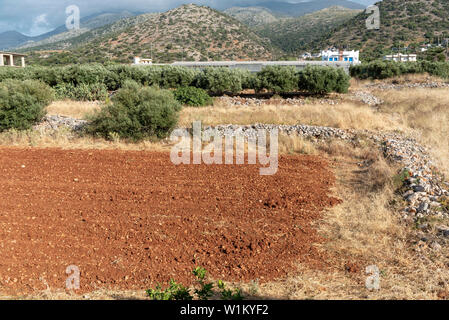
(34, 17)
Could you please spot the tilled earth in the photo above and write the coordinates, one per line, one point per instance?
(130, 219)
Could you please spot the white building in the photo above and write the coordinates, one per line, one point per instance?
(7, 59)
(340, 56)
(139, 61)
(401, 57)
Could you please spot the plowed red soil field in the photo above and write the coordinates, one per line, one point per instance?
(130, 219)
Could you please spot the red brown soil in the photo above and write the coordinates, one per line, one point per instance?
(130, 219)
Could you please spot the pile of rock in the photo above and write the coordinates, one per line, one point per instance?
(367, 98)
(255, 102)
(425, 85)
(300, 130)
(426, 188)
(55, 122)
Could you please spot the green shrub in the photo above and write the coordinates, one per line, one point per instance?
(204, 290)
(176, 77)
(388, 69)
(322, 80)
(22, 103)
(277, 79)
(219, 80)
(192, 96)
(82, 92)
(137, 113)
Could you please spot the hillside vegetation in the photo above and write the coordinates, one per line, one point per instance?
(403, 23)
(295, 34)
(189, 32)
(253, 16)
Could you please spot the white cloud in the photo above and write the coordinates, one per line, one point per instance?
(40, 25)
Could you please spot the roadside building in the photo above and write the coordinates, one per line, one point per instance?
(7, 59)
(340, 56)
(401, 57)
(139, 61)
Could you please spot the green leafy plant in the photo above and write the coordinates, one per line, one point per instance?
(22, 103)
(204, 290)
(192, 96)
(175, 291)
(136, 114)
(227, 294)
(322, 80)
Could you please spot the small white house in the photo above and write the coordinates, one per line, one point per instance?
(340, 56)
(139, 61)
(401, 57)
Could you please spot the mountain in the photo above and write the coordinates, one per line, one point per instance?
(294, 34)
(190, 32)
(403, 23)
(14, 39)
(253, 16)
(10, 39)
(302, 8)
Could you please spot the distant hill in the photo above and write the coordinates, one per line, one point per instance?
(295, 34)
(254, 16)
(190, 32)
(302, 8)
(403, 23)
(10, 39)
(14, 39)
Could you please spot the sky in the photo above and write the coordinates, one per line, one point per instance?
(34, 17)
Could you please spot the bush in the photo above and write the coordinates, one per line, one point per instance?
(192, 96)
(323, 80)
(22, 103)
(91, 81)
(175, 77)
(219, 80)
(388, 69)
(137, 113)
(277, 79)
(82, 92)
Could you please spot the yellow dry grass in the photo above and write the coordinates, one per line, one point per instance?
(74, 109)
(346, 115)
(425, 111)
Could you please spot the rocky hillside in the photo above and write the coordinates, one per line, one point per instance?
(293, 35)
(253, 16)
(189, 32)
(14, 39)
(301, 8)
(403, 23)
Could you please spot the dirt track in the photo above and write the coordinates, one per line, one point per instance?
(131, 219)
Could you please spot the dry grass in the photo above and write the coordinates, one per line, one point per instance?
(346, 116)
(74, 109)
(64, 139)
(425, 111)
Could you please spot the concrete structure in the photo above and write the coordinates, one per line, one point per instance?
(256, 66)
(7, 59)
(351, 57)
(401, 57)
(140, 61)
